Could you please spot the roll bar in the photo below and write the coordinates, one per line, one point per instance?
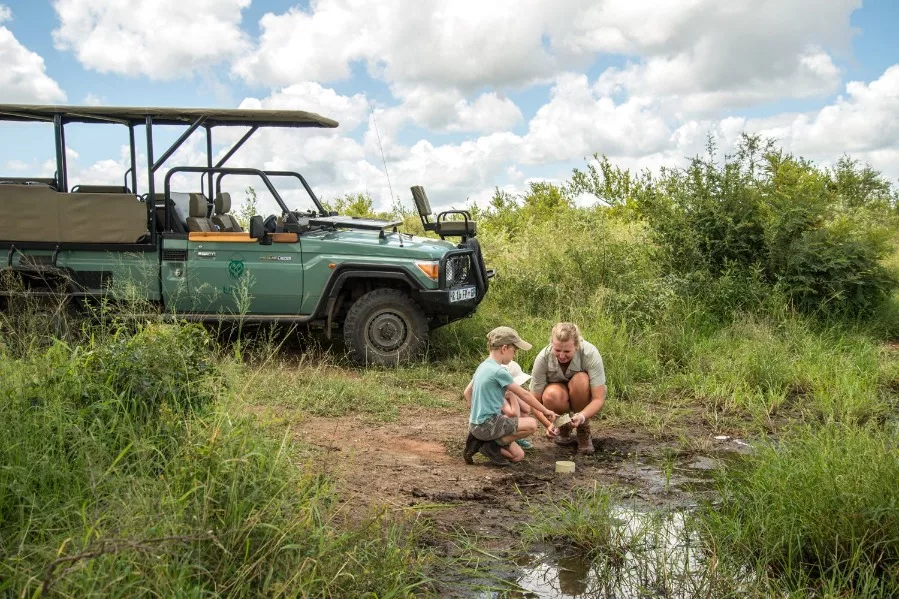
(291, 219)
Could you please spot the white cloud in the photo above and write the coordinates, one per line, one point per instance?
(704, 55)
(162, 39)
(463, 43)
(349, 111)
(447, 110)
(93, 100)
(863, 122)
(23, 77)
(698, 55)
(685, 83)
(577, 122)
(16, 165)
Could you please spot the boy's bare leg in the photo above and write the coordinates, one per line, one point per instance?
(523, 407)
(513, 452)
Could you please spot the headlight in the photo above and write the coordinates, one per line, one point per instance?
(431, 268)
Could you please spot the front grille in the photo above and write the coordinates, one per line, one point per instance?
(458, 269)
(174, 255)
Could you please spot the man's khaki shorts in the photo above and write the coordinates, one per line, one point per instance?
(494, 428)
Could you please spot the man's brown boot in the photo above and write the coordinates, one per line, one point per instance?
(564, 438)
(584, 442)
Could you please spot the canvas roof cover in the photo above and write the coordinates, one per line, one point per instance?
(165, 116)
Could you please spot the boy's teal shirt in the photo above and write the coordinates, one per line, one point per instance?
(488, 387)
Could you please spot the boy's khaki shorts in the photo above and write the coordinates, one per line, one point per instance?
(494, 428)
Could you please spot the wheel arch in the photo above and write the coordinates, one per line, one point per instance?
(352, 281)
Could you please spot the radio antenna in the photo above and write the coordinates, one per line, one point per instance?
(383, 158)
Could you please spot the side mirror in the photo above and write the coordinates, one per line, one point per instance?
(332, 213)
(257, 230)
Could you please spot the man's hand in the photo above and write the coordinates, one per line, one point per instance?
(550, 415)
(552, 432)
(578, 419)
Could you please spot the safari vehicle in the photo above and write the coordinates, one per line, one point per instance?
(185, 251)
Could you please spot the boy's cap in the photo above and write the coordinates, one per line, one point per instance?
(518, 375)
(506, 336)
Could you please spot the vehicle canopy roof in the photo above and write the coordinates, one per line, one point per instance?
(165, 116)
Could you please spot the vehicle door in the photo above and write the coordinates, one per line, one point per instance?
(229, 273)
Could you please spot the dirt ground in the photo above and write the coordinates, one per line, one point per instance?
(416, 463)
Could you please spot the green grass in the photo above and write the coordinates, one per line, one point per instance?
(129, 468)
(817, 512)
(325, 390)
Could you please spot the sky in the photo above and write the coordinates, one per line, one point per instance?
(459, 96)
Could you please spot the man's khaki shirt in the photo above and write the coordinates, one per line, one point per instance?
(547, 369)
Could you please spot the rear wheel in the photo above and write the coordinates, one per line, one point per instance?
(385, 327)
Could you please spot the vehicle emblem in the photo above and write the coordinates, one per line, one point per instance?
(235, 268)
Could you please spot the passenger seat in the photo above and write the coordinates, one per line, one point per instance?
(198, 221)
(225, 221)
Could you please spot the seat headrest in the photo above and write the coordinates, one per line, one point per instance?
(223, 203)
(199, 208)
(421, 200)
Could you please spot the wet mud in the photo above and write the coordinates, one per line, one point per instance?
(415, 466)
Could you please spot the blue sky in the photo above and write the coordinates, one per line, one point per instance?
(466, 96)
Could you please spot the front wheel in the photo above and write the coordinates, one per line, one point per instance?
(385, 327)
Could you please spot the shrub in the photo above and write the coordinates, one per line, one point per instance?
(157, 364)
(836, 269)
(762, 217)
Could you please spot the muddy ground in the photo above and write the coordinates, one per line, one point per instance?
(416, 462)
(414, 466)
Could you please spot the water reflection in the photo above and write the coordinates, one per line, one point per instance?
(654, 556)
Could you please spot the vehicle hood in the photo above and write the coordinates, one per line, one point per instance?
(372, 243)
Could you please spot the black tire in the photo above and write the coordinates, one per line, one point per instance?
(385, 327)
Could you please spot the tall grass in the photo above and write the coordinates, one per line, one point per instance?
(817, 513)
(127, 468)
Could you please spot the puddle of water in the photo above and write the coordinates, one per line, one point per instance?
(653, 552)
(653, 556)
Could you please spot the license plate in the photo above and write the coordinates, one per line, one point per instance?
(462, 294)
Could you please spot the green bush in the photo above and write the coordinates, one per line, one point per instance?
(155, 365)
(836, 269)
(762, 219)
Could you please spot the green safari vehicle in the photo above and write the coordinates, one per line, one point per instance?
(185, 252)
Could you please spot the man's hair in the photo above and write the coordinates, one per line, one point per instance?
(566, 331)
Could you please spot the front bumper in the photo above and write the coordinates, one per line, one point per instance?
(442, 305)
(437, 305)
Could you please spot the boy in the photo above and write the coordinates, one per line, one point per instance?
(490, 431)
(512, 404)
